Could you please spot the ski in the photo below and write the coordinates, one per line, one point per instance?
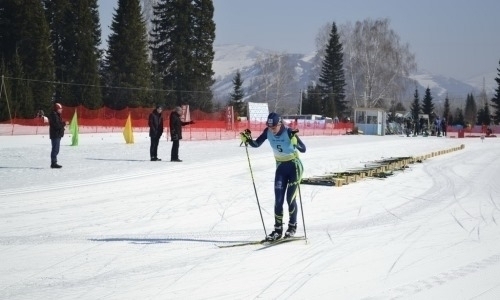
(282, 241)
(242, 244)
(265, 243)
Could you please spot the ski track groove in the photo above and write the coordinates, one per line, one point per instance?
(112, 178)
(309, 258)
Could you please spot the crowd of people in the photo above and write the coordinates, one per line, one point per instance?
(155, 122)
(437, 128)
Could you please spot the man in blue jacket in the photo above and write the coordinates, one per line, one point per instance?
(285, 143)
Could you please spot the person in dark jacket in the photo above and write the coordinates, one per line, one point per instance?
(443, 126)
(176, 132)
(155, 123)
(56, 132)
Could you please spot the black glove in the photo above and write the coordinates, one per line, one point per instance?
(191, 122)
(294, 132)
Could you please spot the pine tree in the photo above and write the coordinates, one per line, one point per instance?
(483, 115)
(458, 118)
(170, 41)
(182, 39)
(203, 54)
(428, 106)
(311, 100)
(332, 78)
(470, 113)
(126, 68)
(4, 91)
(76, 36)
(395, 107)
(21, 92)
(487, 115)
(8, 32)
(496, 100)
(237, 96)
(25, 48)
(447, 114)
(415, 107)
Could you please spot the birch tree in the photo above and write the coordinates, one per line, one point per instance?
(376, 61)
(275, 79)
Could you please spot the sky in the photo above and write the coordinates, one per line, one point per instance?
(454, 38)
(113, 225)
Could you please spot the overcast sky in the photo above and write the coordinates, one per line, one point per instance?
(456, 38)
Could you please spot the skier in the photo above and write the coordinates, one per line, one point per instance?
(155, 123)
(56, 132)
(285, 143)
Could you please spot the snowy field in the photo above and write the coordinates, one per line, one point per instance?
(113, 225)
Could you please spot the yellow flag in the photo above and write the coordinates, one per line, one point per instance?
(128, 134)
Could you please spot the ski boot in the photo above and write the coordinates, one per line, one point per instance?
(276, 234)
(290, 232)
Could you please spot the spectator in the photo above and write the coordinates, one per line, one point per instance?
(56, 132)
(155, 123)
(437, 126)
(443, 126)
(176, 132)
(408, 127)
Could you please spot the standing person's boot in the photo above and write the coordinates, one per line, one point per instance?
(55, 166)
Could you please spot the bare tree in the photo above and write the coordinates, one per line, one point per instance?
(376, 62)
(322, 38)
(275, 81)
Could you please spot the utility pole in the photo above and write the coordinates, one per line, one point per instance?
(300, 103)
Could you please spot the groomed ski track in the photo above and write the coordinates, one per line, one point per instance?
(113, 225)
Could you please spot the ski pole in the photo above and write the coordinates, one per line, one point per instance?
(255, 189)
(302, 211)
(299, 179)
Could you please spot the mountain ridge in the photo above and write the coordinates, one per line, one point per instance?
(232, 57)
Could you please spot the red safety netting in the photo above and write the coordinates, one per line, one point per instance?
(207, 125)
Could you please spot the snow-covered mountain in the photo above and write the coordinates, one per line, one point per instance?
(230, 58)
(487, 80)
(442, 87)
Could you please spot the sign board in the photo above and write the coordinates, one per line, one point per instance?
(258, 112)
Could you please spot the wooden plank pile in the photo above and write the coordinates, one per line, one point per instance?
(376, 169)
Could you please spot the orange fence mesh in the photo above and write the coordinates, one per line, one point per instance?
(207, 125)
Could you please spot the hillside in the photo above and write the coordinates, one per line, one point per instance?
(230, 58)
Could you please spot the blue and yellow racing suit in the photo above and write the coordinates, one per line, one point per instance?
(286, 145)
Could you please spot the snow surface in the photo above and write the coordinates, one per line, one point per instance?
(113, 225)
